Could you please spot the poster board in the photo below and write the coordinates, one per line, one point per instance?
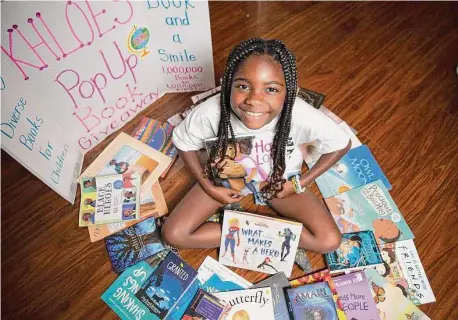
(85, 68)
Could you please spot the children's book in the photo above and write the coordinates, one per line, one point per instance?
(204, 306)
(313, 98)
(402, 267)
(248, 304)
(134, 244)
(310, 151)
(322, 276)
(311, 301)
(155, 208)
(216, 284)
(369, 207)
(277, 283)
(259, 243)
(355, 297)
(120, 296)
(166, 285)
(246, 165)
(358, 250)
(356, 168)
(158, 136)
(108, 199)
(390, 301)
(127, 156)
(210, 267)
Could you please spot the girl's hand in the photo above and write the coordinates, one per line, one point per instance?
(224, 195)
(287, 190)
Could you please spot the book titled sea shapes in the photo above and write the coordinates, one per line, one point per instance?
(259, 243)
(108, 199)
(134, 244)
(311, 301)
(356, 251)
(369, 207)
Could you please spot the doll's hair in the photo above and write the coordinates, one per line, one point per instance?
(240, 53)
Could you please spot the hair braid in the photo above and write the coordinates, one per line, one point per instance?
(278, 51)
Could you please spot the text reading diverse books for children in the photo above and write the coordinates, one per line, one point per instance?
(108, 199)
(369, 207)
(259, 243)
(357, 250)
(358, 167)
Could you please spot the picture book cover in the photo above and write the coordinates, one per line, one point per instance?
(355, 297)
(204, 306)
(311, 301)
(402, 267)
(390, 301)
(369, 207)
(310, 152)
(108, 199)
(166, 285)
(158, 136)
(246, 165)
(259, 243)
(313, 98)
(277, 283)
(134, 244)
(120, 296)
(247, 304)
(155, 208)
(127, 156)
(356, 168)
(210, 267)
(216, 284)
(322, 276)
(357, 250)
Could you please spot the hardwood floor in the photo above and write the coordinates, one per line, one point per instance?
(387, 68)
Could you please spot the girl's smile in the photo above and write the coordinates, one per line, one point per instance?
(258, 91)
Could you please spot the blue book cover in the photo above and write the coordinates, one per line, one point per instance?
(136, 243)
(311, 301)
(216, 284)
(356, 251)
(205, 307)
(185, 300)
(160, 293)
(277, 283)
(369, 207)
(356, 168)
(120, 296)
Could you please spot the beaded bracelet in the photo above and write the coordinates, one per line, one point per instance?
(297, 184)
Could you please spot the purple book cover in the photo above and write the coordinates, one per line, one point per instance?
(355, 296)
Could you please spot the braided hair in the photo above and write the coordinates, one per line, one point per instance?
(240, 53)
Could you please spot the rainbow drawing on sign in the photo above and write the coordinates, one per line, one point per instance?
(138, 40)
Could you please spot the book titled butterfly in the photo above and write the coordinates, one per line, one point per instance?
(108, 199)
(356, 168)
(355, 296)
(369, 207)
(357, 250)
(259, 243)
(134, 244)
(389, 300)
(311, 301)
(169, 281)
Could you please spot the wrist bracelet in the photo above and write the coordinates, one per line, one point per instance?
(297, 184)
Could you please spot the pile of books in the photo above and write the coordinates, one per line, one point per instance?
(375, 274)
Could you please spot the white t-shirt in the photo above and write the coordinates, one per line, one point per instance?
(307, 124)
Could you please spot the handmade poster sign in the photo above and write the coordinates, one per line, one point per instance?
(90, 67)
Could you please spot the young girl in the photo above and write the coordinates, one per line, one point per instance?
(258, 96)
